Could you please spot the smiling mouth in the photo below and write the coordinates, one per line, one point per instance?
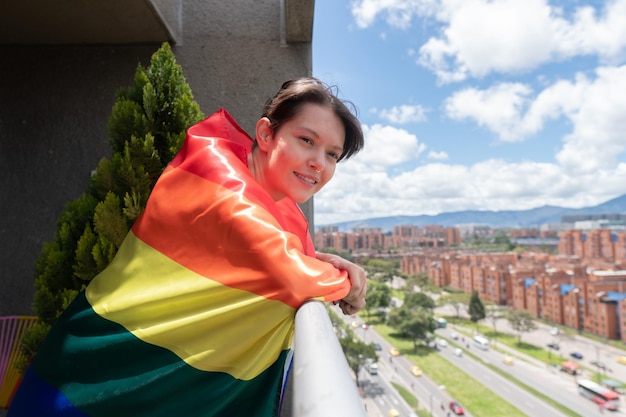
(310, 180)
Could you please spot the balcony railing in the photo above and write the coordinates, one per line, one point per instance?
(321, 382)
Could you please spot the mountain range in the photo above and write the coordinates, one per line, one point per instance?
(495, 219)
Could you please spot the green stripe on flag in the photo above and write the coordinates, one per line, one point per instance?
(105, 370)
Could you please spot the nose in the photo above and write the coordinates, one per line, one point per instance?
(317, 163)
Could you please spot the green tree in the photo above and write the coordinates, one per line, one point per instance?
(476, 308)
(357, 352)
(146, 129)
(380, 269)
(522, 322)
(419, 299)
(415, 323)
(346, 255)
(378, 296)
(502, 239)
(422, 280)
(494, 313)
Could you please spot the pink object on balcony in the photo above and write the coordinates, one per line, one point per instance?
(12, 329)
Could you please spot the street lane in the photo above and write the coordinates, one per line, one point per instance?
(547, 380)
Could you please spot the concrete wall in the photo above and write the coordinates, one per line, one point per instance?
(56, 100)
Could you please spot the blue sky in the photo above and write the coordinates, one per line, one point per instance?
(475, 104)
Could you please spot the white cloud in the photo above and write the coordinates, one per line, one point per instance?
(599, 125)
(498, 108)
(595, 108)
(386, 146)
(585, 172)
(479, 37)
(398, 13)
(359, 193)
(403, 114)
(438, 155)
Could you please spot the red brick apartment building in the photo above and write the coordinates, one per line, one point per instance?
(372, 238)
(583, 287)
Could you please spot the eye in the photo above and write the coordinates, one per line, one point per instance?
(306, 140)
(333, 155)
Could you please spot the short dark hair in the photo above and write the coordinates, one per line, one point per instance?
(286, 104)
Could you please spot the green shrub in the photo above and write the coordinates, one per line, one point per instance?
(146, 129)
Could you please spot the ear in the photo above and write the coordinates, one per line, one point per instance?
(263, 132)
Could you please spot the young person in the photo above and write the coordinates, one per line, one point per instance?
(195, 314)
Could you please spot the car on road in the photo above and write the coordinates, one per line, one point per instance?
(507, 360)
(373, 368)
(554, 331)
(576, 355)
(554, 346)
(393, 351)
(456, 408)
(394, 413)
(377, 346)
(458, 352)
(442, 342)
(599, 364)
(622, 360)
(454, 336)
(415, 370)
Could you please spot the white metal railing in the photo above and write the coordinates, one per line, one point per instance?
(322, 383)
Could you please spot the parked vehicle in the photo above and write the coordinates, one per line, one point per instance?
(554, 346)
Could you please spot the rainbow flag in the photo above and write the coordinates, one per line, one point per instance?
(195, 315)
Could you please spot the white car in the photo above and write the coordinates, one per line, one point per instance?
(442, 343)
(458, 352)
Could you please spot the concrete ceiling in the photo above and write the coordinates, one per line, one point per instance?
(59, 22)
(72, 22)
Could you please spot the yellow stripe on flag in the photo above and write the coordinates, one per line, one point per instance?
(206, 324)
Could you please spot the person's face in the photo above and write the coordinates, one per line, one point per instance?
(302, 153)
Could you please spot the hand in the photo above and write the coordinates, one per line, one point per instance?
(355, 300)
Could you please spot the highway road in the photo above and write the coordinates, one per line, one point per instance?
(380, 394)
(557, 385)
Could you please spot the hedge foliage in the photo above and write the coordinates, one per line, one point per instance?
(146, 129)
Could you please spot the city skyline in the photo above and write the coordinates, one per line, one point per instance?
(475, 105)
